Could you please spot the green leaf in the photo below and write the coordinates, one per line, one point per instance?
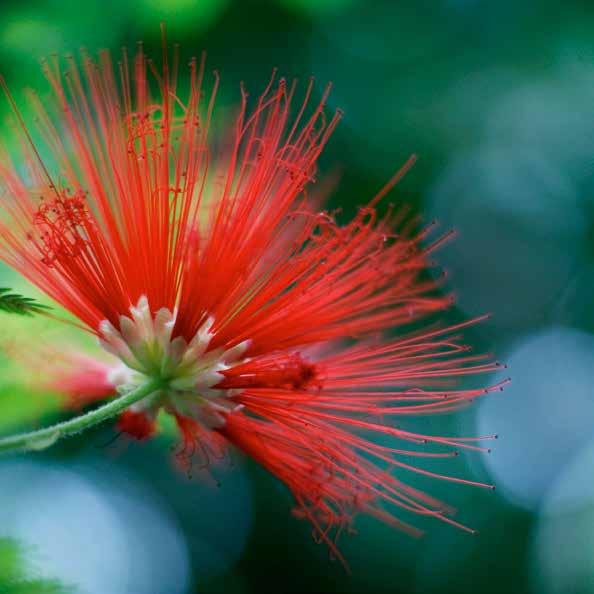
(16, 574)
(18, 304)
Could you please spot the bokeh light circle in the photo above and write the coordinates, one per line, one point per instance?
(94, 533)
(515, 212)
(544, 416)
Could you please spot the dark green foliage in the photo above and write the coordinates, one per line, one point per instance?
(14, 303)
(15, 575)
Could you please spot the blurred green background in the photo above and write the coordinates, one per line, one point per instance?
(497, 100)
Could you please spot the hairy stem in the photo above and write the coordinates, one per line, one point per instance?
(43, 438)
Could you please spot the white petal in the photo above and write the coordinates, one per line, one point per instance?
(207, 379)
(235, 353)
(130, 332)
(143, 318)
(163, 325)
(177, 348)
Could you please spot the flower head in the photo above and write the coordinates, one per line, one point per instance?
(263, 319)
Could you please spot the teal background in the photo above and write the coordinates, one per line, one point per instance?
(496, 99)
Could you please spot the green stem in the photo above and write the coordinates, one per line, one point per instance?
(43, 438)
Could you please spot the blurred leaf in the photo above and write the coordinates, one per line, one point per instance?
(15, 573)
(18, 304)
(27, 347)
(318, 7)
(179, 15)
(20, 406)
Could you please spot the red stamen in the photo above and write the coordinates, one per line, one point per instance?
(137, 424)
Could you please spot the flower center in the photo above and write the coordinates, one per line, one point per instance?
(189, 370)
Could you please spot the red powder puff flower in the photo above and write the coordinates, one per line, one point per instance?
(258, 318)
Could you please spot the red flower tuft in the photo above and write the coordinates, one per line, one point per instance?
(261, 315)
(137, 424)
(200, 447)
